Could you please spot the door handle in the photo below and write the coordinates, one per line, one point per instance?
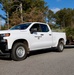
(50, 34)
(42, 34)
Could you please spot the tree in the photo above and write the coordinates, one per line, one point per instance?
(33, 10)
(65, 17)
(15, 19)
(34, 15)
(50, 15)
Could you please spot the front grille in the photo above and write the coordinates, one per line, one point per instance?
(3, 44)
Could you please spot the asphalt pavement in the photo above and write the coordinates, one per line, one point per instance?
(46, 62)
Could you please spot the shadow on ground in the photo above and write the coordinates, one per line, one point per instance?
(5, 59)
(31, 53)
(39, 52)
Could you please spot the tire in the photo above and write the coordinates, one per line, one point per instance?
(19, 52)
(60, 46)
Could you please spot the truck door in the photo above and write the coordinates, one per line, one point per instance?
(46, 36)
(41, 35)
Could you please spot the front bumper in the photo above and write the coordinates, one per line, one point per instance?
(4, 48)
(3, 54)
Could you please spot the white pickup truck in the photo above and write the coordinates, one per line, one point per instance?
(23, 38)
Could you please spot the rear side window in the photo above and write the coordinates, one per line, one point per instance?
(44, 28)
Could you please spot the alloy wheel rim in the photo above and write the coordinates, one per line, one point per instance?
(61, 47)
(20, 52)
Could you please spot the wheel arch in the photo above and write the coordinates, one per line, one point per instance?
(62, 40)
(60, 46)
(21, 41)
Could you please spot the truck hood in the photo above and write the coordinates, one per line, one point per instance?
(11, 31)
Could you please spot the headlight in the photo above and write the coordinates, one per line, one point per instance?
(5, 35)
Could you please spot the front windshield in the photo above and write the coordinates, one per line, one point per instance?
(20, 26)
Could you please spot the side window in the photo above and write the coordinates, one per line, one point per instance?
(44, 28)
(35, 28)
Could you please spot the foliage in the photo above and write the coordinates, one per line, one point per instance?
(69, 32)
(15, 19)
(4, 27)
(37, 10)
(50, 15)
(34, 15)
(70, 35)
(33, 10)
(65, 17)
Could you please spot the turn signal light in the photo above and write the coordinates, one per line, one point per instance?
(7, 34)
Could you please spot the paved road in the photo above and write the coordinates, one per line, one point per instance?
(41, 63)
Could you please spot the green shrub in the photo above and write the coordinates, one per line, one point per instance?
(69, 32)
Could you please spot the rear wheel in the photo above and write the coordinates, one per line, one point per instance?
(19, 51)
(60, 46)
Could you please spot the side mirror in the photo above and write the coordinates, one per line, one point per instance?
(33, 30)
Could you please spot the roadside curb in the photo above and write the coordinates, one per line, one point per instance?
(69, 46)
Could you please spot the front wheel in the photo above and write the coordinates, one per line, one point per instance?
(19, 51)
(60, 46)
